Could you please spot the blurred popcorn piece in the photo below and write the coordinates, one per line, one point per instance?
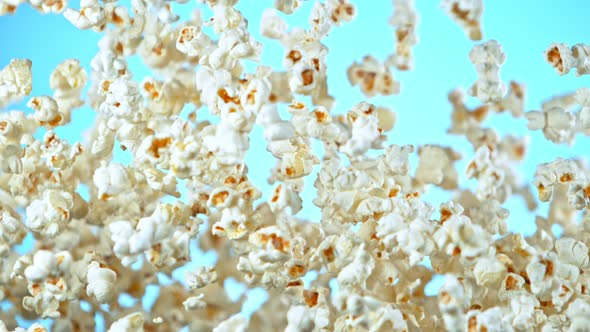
(487, 58)
(16, 81)
(373, 77)
(466, 13)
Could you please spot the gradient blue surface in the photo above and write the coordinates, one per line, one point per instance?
(525, 29)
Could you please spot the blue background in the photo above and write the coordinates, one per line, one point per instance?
(525, 28)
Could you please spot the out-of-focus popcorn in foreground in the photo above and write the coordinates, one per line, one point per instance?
(188, 186)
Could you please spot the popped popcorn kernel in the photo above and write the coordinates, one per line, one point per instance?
(16, 81)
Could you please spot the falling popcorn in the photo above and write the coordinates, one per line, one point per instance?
(104, 233)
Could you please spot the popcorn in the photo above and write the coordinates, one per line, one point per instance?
(272, 25)
(194, 302)
(46, 7)
(365, 131)
(405, 21)
(201, 277)
(487, 58)
(373, 77)
(111, 180)
(131, 323)
(100, 228)
(488, 271)
(47, 111)
(287, 6)
(12, 232)
(46, 264)
(67, 80)
(9, 7)
(573, 252)
(577, 313)
(563, 58)
(191, 41)
(236, 323)
(490, 320)
(451, 303)
(557, 124)
(358, 270)
(90, 16)
(46, 282)
(436, 166)
(15, 81)
(100, 282)
(158, 236)
(559, 171)
(467, 13)
(50, 214)
(457, 237)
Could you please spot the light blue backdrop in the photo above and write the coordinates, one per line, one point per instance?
(525, 28)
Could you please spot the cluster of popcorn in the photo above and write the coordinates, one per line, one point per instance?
(377, 238)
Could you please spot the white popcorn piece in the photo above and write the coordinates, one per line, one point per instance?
(8, 7)
(194, 302)
(48, 284)
(436, 166)
(557, 124)
(405, 21)
(46, 264)
(523, 311)
(365, 129)
(514, 100)
(284, 197)
(163, 236)
(59, 153)
(160, 181)
(451, 301)
(67, 80)
(564, 58)
(373, 77)
(192, 42)
(45, 6)
(131, 323)
(272, 25)
(457, 236)
(111, 180)
(573, 252)
(559, 171)
(100, 282)
(16, 81)
(287, 6)
(487, 58)
(90, 16)
(12, 232)
(489, 271)
(47, 111)
(467, 13)
(578, 312)
(35, 327)
(359, 269)
(237, 323)
(340, 11)
(200, 277)
(50, 214)
(490, 320)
